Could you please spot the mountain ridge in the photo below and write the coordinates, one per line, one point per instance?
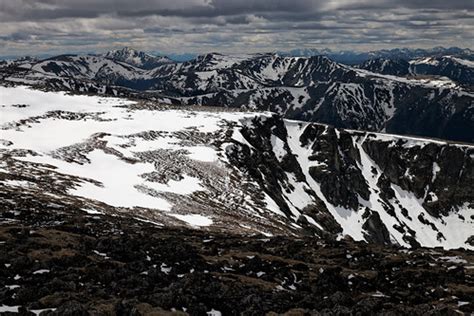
(422, 102)
(358, 57)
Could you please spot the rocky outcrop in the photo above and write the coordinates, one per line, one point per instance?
(341, 183)
(393, 189)
(58, 260)
(439, 175)
(374, 229)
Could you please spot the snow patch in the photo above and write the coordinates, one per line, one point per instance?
(194, 219)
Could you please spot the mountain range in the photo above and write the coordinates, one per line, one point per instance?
(353, 57)
(458, 69)
(429, 97)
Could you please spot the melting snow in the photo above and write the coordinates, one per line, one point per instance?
(436, 169)
(11, 309)
(464, 62)
(202, 153)
(271, 205)
(194, 219)
(118, 188)
(92, 211)
(453, 259)
(165, 269)
(349, 220)
(106, 177)
(214, 312)
(278, 147)
(117, 182)
(187, 185)
(39, 311)
(39, 102)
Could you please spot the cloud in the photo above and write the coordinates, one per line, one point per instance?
(177, 26)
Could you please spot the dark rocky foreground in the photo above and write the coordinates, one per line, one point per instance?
(67, 262)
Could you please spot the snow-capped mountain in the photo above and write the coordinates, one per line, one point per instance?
(396, 67)
(137, 58)
(353, 57)
(87, 68)
(457, 69)
(234, 171)
(306, 88)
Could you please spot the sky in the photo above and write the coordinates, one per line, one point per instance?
(38, 27)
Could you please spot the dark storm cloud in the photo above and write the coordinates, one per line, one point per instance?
(46, 9)
(163, 30)
(16, 37)
(228, 25)
(437, 4)
(51, 9)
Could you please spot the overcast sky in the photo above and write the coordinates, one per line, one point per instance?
(29, 27)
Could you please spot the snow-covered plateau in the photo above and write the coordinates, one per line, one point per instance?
(230, 170)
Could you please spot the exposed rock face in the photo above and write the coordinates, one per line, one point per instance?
(394, 190)
(313, 88)
(341, 183)
(451, 169)
(376, 231)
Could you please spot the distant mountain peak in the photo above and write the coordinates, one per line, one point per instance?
(137, 58)
(128, 51)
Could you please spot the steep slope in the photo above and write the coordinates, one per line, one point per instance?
(235, 171)
(380, 188)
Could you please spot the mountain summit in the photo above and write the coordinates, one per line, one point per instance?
(137, 58)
